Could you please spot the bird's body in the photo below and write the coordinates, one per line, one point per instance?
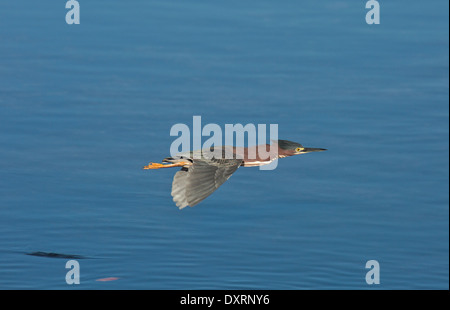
(250, 156)
(203, 171)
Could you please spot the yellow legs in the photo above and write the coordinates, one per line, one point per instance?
(158, 166)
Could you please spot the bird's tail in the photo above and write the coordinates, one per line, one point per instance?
(169, 160)
(176, 159)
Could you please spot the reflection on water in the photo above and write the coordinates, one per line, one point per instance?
(84, 107)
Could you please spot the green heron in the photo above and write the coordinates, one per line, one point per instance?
(203, 172)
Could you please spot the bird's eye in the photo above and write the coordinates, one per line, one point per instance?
(299, 149)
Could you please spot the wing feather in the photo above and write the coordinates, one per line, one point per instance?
(192, 185)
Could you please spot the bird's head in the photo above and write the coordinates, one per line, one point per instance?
(289, 148)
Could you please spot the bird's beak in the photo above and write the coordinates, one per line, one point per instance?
(311, 149)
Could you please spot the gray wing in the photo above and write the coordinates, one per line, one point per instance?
(193, 184)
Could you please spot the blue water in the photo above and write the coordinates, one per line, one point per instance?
(84, 107)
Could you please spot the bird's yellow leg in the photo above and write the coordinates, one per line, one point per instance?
(158, 166)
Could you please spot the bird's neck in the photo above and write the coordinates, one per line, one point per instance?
(260, 153)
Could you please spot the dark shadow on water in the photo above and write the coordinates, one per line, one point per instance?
(56, 255)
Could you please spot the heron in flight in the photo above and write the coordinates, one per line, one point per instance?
(204, 171)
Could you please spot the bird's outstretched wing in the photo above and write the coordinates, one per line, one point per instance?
(193, 184)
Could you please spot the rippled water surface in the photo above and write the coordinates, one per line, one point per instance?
(84, 107)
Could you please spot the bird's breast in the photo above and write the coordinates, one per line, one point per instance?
(256, 163)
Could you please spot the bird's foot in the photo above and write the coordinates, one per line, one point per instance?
(153, 166)
(158, 166)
